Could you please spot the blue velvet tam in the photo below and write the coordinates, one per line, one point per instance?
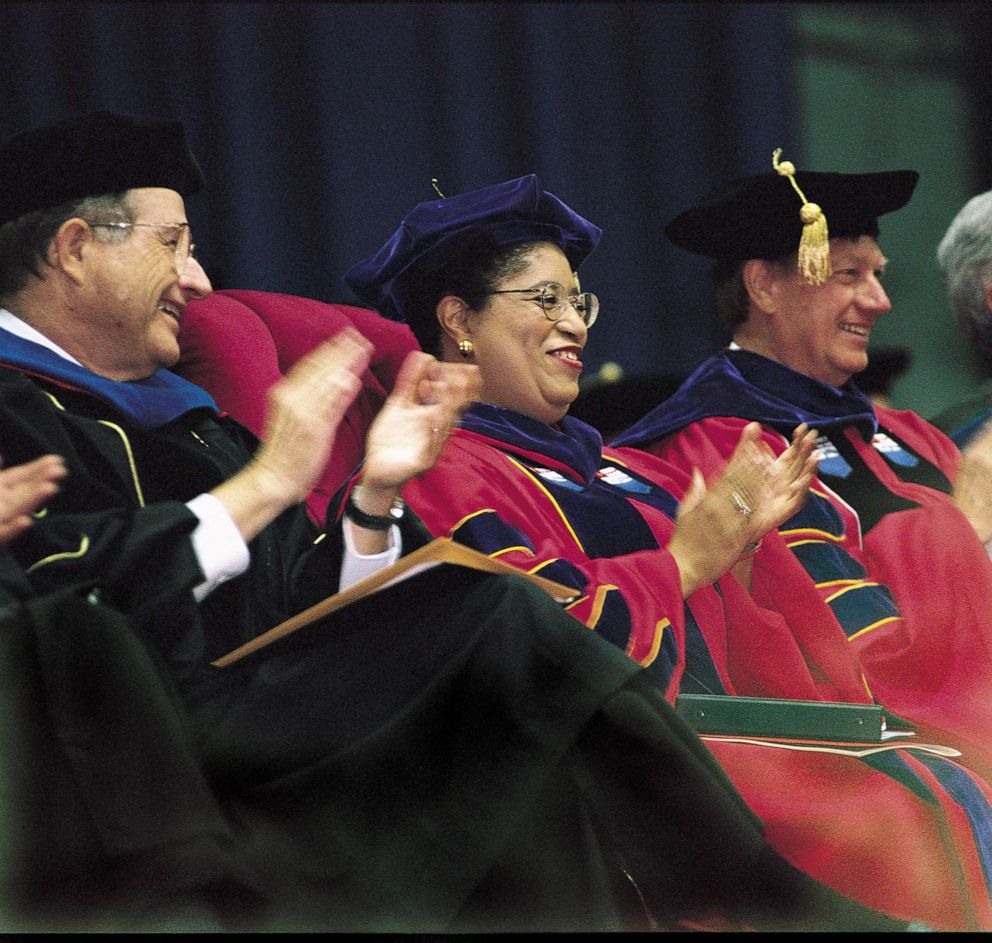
(93, 154)
(434, 233)
(758, 217)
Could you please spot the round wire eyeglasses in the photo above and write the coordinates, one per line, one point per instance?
(554, 301)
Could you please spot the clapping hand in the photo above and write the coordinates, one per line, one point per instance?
(409, 434)
(755, 493)
(764, 489)
(305, 409)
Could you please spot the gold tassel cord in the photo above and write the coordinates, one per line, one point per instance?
(814, 246)
(437, 189)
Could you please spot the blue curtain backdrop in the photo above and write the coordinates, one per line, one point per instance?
(319, 125)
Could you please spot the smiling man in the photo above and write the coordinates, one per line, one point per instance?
(448, 754)
(882, 577)
(172, 524)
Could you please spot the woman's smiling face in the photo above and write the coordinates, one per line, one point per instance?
(528, 363)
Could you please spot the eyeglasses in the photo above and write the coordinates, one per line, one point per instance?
(178, 237)
(554, 301)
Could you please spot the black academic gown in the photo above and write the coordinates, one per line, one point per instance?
(450, 754)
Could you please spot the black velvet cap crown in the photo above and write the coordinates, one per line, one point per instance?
(758, 217)
(92, 154)
(433, 233)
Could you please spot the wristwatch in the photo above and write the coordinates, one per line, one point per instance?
(373, 521)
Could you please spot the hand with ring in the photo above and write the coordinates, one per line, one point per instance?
(757, 491)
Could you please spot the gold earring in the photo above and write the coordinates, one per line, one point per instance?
(465, 348)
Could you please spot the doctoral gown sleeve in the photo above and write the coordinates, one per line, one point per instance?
(480, 496)
(99, 526)
(120, 520)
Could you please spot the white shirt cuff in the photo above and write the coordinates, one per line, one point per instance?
(355, 566)
(219, 547)
(222, 553)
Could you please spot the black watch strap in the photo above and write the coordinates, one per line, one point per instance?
(373, 521)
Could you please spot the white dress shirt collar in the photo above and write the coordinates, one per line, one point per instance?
(11, 322)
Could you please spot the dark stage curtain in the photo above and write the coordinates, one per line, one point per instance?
(319, 125)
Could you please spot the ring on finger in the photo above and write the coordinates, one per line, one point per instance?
(745, 509)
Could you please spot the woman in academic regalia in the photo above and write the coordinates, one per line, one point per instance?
(490, 277)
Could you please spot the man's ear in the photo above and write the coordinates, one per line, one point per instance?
(760, 280)
(452, 315)
(69, 247)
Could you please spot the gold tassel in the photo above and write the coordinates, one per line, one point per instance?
(814, 246)
(437, 189)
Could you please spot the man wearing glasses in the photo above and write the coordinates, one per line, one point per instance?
(375, 772)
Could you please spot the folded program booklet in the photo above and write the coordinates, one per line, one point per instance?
(439, 550)
(798, 720)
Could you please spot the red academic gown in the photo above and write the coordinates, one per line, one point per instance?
(883, 829)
